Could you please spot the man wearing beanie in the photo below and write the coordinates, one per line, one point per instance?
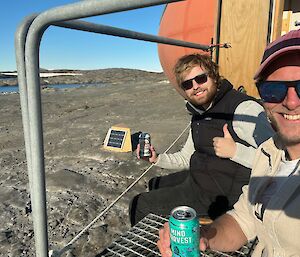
(269, 207)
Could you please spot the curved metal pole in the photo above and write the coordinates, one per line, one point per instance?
(36, 30)
(20, 37)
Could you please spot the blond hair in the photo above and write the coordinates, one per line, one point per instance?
(188, 62)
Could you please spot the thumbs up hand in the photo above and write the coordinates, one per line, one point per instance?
(224, 147)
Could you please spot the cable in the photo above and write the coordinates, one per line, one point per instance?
(55, 253)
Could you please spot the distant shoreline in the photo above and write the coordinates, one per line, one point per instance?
(45, 74)
(112, 75)
(5, 90)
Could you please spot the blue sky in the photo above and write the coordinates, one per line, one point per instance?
(69, 49)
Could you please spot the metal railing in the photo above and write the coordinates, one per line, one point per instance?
(27, 41)
(140, 241)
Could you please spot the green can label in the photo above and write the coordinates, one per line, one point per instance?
(184, 232)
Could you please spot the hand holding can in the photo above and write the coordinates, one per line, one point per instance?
(184, 232)
(163, 243)
(144, 145)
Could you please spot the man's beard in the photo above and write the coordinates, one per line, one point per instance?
(204, 102)
(288, 141)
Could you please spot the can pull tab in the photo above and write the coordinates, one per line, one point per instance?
(182, 215)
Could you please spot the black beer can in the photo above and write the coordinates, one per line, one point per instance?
(145, 143)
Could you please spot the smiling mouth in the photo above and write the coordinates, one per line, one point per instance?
(200, 92)
(291, 117)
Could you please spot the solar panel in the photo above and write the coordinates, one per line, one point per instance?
(118, 139)
(140, 241)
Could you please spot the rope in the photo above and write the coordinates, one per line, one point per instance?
(55, 253)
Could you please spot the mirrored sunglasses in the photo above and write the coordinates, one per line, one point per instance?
(200, 79)
(275, 91)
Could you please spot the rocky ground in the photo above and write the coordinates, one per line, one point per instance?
(81, 177)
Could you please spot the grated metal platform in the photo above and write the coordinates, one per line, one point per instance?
(140, 241)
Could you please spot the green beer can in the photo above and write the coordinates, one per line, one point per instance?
(184, 232)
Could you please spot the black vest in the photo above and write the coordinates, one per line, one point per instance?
(212, 175)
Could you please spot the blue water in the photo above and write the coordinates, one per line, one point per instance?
(9, 89)
(14, 89)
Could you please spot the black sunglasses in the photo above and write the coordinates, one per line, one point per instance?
(275, 91)
(200, 79)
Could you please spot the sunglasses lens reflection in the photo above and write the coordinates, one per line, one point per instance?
(201, 79)
(272, 92)
(275, 91)
(188, 84)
